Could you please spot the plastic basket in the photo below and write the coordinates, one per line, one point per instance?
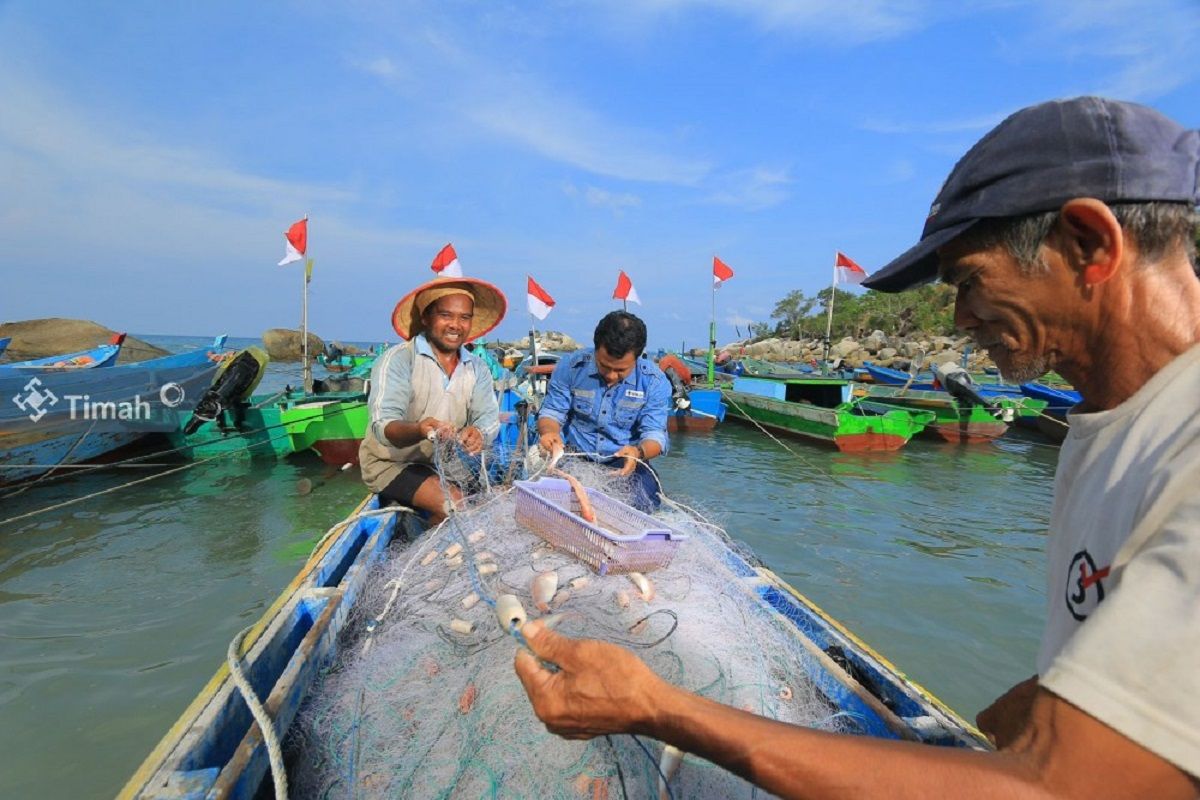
(622, 540)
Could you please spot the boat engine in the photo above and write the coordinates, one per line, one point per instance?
(231, 387)
(960, 386)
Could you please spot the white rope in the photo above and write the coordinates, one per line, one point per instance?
(265, 725)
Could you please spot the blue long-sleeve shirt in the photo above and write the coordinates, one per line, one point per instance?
(597, 418)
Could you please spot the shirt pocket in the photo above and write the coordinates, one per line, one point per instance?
(626, 411)
(582, 401)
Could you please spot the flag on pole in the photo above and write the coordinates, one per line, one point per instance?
(297, 242)
(847, 270)
(540, 301)
(721, 272)
(625, 290)
(445, 263)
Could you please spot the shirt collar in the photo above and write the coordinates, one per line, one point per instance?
(424, 348)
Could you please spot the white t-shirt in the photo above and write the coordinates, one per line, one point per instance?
(1124, 558)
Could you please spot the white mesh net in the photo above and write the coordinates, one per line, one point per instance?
(419, 704)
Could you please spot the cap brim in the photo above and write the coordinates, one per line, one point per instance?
(918, 264)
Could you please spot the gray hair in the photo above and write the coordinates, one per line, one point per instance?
(1158, 228)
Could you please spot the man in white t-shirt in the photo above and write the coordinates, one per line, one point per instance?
(1068, 233)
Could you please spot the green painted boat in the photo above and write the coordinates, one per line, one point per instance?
(255, 431)
(332, 424)
(822, 409)
(964, 423)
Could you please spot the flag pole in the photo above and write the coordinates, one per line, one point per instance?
(308, 380)
(712, 338)
(624, 305)
(829, 323)
(533, 345)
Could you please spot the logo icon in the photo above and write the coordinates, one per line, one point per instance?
(35, 398)
(1085, 587)
(171, 394)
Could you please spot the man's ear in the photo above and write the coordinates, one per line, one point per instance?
(1093, 242)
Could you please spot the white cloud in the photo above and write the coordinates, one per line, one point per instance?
(753, 189)
(617, 201)
(843, 21)
(490, 96)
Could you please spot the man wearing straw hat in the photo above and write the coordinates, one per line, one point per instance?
(431, 386)
(1067, 232)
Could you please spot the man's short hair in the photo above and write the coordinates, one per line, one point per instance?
(620, 332)
(1158, 229)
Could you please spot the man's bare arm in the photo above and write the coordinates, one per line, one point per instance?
(1063, 752)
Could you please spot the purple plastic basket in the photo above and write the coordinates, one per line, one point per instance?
(622, 540)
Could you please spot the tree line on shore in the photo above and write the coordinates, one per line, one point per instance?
(928, 310)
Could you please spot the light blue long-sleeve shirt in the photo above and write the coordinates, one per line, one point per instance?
(391, 388)
(597, 418)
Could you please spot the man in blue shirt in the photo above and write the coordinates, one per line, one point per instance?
(431, 386)
(612, 404)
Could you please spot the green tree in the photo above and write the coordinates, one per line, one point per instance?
(791, 312)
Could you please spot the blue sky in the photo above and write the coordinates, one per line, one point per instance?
(153, 153)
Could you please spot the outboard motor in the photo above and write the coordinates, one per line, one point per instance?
(960, 386)
(233, 384)
(679, 392)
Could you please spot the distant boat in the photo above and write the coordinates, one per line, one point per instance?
(693, 408)
(954, 421)
(1058, 403)
(103, 356)
(822, 409)
(66, 417)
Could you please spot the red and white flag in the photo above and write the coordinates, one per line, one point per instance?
(721, 272)
(847, 271)
(297, 242)
(445, 263)
(540, 301)
(625, 290)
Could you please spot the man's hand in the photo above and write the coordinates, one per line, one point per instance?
(1004, 719)
(600, 688)
(471, 439)
(631, 456)
(432, 425)
(551, 442)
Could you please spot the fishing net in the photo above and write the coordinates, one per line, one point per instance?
(423, 700)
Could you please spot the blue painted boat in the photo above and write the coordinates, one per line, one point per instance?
(103, 356)
(1059, 402)
(56, 418)
(214, 749)
(4, 340)
(924, 381)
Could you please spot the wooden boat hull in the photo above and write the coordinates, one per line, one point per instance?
(953, 422)
(333, 427)
(37, 438)
(849, 432)
(214, 750)
(703, 415)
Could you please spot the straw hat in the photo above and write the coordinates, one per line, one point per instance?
(490, 305)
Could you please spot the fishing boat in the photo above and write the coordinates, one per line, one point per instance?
(1058, 402)
(925, 381)
(332, 425)
(823, 409)
(954, 421)
(58, 418)
(215, 748)
(102, 356)
(345, 362)
(693, 408)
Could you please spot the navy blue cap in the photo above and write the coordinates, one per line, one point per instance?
(1045, 155)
